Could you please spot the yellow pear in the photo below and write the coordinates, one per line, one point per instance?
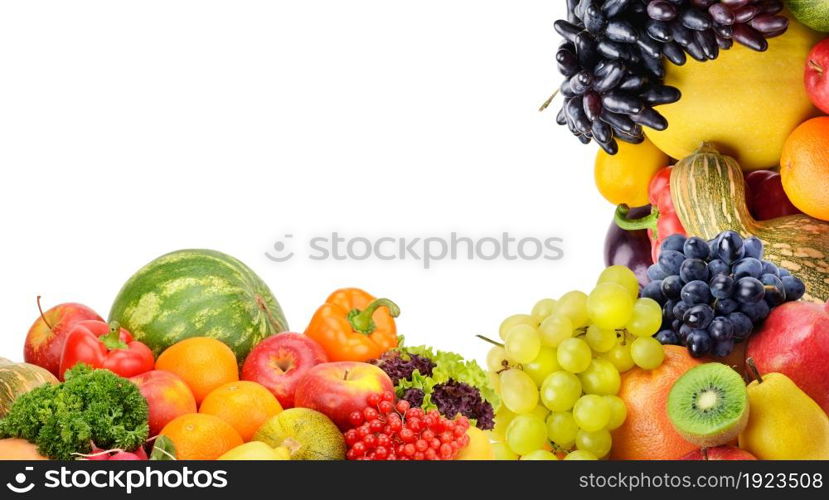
(784, 423)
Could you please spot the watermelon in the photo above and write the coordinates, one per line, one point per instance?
(198, 293)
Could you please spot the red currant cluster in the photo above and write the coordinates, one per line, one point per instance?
(389, 430)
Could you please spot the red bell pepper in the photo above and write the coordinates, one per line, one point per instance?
(662, 221)
(102, 345)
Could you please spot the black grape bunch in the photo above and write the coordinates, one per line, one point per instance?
(613, 52)
(703, 27)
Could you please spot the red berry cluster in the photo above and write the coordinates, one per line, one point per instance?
(389, 430)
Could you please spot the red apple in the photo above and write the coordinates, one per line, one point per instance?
(279, 362)
(44, 342)
(340, 388)
(794, 341)
(720, 453)
(167, 397)
(817, 75)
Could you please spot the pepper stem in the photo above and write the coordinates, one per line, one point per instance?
(646, 222)
(754, 371)
(361, 321)
(112, 340)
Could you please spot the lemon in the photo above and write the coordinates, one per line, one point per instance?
(624, 177)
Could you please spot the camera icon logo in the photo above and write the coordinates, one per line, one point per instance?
(20, 485)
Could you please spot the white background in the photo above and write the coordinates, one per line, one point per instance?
(130, 129)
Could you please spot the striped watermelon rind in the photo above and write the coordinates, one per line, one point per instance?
(198, 293)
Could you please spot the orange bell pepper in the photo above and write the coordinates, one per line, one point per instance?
(353, 325)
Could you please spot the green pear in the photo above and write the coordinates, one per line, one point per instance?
(784, 423)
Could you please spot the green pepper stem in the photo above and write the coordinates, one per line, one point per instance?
(361, 321)
(112, 340)
(646, 222)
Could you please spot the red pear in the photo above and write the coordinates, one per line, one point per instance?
(794, 341)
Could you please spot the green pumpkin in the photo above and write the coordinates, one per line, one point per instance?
(20, 378)
(709, 196)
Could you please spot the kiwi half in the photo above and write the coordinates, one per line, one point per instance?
(708, 405)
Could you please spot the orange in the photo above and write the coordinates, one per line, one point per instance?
(201, 437)
(804, 167)
(203, 363)
(244, 405)
(647, 433)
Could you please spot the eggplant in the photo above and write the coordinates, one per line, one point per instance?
(629, 248)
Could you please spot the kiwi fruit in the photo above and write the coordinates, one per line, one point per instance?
(708, 405)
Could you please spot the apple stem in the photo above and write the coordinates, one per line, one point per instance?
(345, 376)
(42, 316)
(815, 66)
(361, 321)
(754, 371)
(487, 339)
(704, 453)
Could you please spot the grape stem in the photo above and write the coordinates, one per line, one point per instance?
(487, 339)
(549, 101)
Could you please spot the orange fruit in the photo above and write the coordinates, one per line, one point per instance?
(244, 405)
(202, 362)
(804, 167)
(647, 433)
(201, 437)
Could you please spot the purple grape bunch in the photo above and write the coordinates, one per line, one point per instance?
(613, 73)
(613, 52)
(715, 293)
(703, 27)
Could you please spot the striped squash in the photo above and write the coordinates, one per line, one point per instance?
(198, 293)
(19, 378)
(708, 192)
